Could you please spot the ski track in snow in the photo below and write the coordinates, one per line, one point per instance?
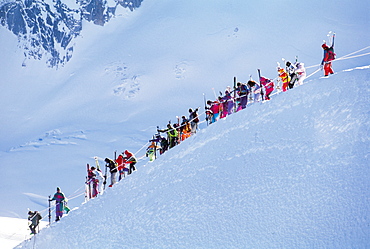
(53, 137)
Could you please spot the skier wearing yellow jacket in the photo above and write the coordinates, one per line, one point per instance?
(172, 135)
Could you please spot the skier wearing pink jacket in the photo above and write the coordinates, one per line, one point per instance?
(269, 86)
(215, 110)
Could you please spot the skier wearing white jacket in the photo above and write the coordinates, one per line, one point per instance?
(301, 72)
(98, 181)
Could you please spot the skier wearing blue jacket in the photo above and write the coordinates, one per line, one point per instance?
(59, 204)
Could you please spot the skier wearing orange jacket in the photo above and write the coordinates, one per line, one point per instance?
(284, 77)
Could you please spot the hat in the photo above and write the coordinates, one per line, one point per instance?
(58, 189)
(324, 46)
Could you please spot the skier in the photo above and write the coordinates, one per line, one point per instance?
(228, 103)
(185, 130)
(112, 169)
(171, 135)
(35, 218)
(121, 167)
(194, 120)
(301, 72)
(89, 182)
(213, 110)
(329, 56)
(284, 77)
(97, 177)
(178, 127)
(130, 159)
(223, 107)
(163, 145)
(59, 204)
(255, 89)
(243, 92)
(291, 71)
(151, 151)
(269, 86)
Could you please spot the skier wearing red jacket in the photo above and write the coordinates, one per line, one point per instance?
(269, 86)
(121, 167)
(329, 56)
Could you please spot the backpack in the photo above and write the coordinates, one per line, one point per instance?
(331, 54)
(196, 120)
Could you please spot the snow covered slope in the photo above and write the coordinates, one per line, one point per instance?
(289, 173)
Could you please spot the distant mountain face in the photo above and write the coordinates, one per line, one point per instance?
(47, 30)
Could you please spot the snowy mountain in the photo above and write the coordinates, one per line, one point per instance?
(49, 29)
(151, 63)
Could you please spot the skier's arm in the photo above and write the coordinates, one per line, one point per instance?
(165, 130)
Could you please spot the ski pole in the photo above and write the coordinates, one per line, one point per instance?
(49, 210)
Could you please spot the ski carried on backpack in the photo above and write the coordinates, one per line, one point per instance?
(259, 80)
(105, 177)
(331, 36)
(235, 102)
(87, 184)
(97, 163)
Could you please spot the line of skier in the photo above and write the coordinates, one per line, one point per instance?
(231, 101)
(237, 98)
(118, 168)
